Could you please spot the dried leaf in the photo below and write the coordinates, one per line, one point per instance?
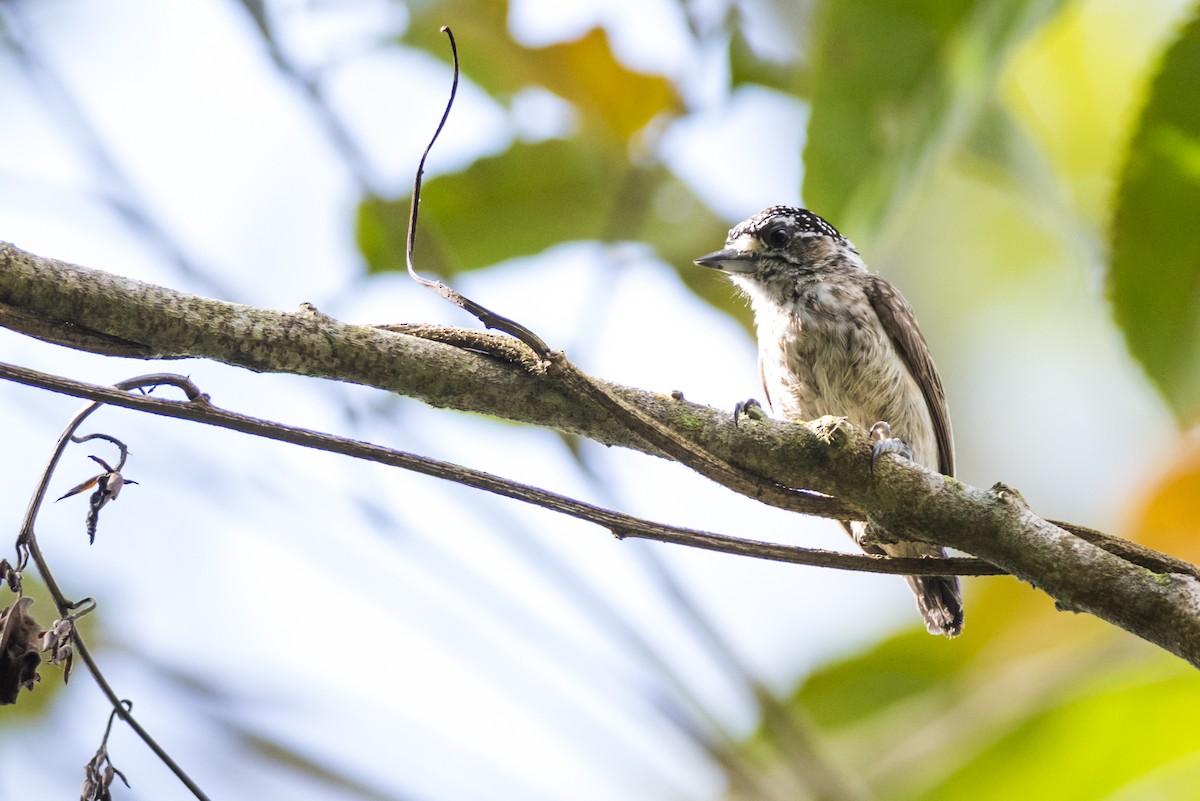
(19, 652)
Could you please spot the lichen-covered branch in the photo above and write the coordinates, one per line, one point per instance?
(1146, 593)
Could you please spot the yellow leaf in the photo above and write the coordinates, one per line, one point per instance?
(614, 102)
(608, 94)
(1169, 517)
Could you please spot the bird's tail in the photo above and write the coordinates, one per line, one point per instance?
(938, 597)
(939, 602)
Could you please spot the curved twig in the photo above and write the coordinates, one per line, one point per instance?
(489, 318)
(121, 446)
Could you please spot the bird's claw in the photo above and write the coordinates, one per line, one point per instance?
(750, 408)
(881, 432)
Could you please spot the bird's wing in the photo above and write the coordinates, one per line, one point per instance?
(901, 325)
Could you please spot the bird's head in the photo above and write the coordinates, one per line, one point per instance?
(778, 239)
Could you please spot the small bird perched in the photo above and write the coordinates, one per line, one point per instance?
(836, 339)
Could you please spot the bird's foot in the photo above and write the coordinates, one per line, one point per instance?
(749, 408)
(881, 432)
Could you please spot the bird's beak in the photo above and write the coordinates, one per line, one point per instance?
(730, 260)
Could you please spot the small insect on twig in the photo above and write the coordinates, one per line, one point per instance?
(108, 486)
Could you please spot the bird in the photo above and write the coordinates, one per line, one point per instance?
(836, 339)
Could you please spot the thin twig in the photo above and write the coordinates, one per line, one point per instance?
(27, 546)
(202, 411)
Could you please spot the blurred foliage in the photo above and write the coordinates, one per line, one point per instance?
(1154, 282)
(1029, 702)
(537, 195)
(1168, 517)
(1078, 97)
(614, 101)
(897, 86)
(784, 64)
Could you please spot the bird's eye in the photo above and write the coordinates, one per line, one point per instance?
(778, 237)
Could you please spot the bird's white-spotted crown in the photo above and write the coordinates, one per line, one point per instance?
(796, 218)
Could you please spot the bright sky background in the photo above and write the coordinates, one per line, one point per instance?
(397, 626)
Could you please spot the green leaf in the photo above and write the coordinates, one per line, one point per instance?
(1154, 276)
(1044, 706)
(518, 203)
(901, 667)
(897, 87)
(1129, 734)
(533, 196)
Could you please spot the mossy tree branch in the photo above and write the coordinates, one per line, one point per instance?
(1149, 594)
